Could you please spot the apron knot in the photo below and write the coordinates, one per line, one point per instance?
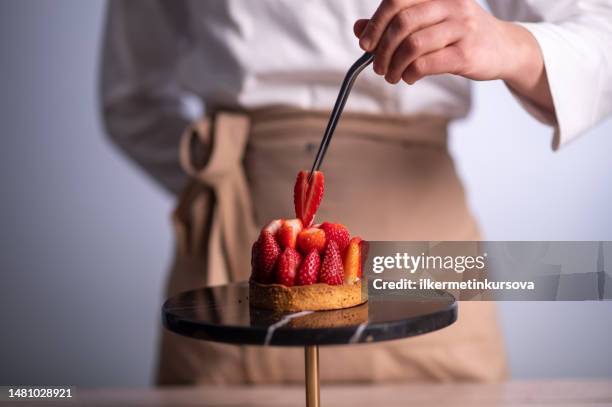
(214, 218)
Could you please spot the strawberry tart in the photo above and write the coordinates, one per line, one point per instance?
(299, 266)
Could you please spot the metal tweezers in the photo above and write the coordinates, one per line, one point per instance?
(345, 89)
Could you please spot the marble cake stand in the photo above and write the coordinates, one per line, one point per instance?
(222, 314)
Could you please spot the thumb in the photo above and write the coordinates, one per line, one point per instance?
(359, 26)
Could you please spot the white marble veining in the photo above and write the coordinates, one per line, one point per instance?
(283, 321)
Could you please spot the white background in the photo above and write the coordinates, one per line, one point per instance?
(85, 238)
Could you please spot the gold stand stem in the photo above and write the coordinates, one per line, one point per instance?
(311, 358)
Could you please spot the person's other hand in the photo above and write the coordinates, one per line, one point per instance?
(415, 38)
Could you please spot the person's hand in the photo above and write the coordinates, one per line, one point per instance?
(415, 38)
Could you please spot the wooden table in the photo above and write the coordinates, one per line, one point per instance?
(517, 393)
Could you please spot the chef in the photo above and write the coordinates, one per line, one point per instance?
(222, 102)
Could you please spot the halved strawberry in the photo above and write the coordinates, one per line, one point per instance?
(338, 233)
(308, 272)
(332, 272)
(265, 253)
(287, 267)
(307, 196)
(354, 257)
(288, 233)
(311, 239)
(274, 226)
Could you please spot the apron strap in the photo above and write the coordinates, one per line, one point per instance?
(214, 218)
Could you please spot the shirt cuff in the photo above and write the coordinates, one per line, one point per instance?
(564, 61)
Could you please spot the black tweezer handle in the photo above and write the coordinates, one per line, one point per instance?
(345, 89)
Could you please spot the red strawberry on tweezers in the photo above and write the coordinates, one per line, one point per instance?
(309, 269)
(307, 196)
(338, 233)
(288, 233)
(265, 253)
(332, 272)
(287, 267)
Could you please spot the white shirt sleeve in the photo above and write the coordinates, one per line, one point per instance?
(576, 42)
(145, 109)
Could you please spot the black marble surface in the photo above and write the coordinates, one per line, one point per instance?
(223, 314)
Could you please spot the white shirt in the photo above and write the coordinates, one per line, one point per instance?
(164, 63)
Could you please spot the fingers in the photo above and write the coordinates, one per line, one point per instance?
(359, 26)
(404, 24)
(379, 21)
(415, 38)
(446, 60)
(420, 43)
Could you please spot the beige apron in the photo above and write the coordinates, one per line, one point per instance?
(386, 178)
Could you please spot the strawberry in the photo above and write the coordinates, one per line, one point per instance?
(311, 239)
(265, 253)
(254, 255)
(336, 232)
(309, 269)
(332, 272)
(307, 196)
(288, 233)
(274, 226)
(287, 266)
(354, 257)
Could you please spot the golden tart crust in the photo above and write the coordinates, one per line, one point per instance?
(315, 297)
